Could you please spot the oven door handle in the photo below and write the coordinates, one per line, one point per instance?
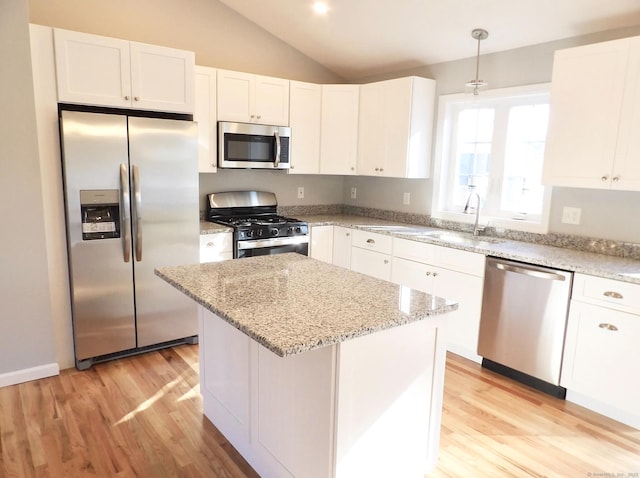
(276, 135)
(275, 242)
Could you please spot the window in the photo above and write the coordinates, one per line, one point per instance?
(493, 145)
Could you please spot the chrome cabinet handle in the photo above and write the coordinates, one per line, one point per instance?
(125, 214)
(370, 241)
(613, 295)
(610, 327)
(137, 203)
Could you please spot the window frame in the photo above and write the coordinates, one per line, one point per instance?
(443, 164)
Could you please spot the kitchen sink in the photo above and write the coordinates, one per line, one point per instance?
(461, 238)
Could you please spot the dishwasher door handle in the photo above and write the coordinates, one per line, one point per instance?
(530, 272)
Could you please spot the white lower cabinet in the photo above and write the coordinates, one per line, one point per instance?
(342, 246)
(321, 246)
(419, 266)
(216, 247)
(371, 254)
(601, 362)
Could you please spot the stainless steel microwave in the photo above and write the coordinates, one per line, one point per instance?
(248, 145)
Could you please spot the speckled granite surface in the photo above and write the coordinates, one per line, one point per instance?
(207, 227)
(613, 267)
(298, 304)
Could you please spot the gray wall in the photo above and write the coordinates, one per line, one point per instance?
(605, 214)
(25, 322)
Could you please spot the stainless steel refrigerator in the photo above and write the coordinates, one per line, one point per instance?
(131, 194)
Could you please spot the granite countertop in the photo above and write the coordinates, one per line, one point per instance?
(207, 227)
(297, 303)
(600, 265)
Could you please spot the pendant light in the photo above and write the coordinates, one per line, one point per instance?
(478, 34)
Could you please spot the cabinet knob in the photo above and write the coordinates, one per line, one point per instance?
(291, 167)
(136, 98)
(126, 97)
(615, 179)
(253, 116)
(377, 169)
(604, 178)
(381, 169)
(259, 116)
(352, 168)
(347, 234)
(386, 261)
(613, 295)
(427, 274)
(610, 327)
(210, 244)
(435, 274)
(370, 241)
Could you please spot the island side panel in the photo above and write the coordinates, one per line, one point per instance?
(389, 401)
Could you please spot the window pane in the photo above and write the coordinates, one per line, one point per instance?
(473, 153)
(522, 191)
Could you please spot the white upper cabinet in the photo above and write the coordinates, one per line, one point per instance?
(248, 98)
(96, 70)
(595, 115)
(339, 129)
(396, 127)
(305, 102)
(205, 116)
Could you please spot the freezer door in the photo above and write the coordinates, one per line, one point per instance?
(165, 218)
(95, 164)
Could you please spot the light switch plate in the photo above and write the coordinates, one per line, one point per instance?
(353, 193)
(571, 215)
(406, 198)
(300, 192)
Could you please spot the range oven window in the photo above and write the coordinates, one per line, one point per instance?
(266, 251)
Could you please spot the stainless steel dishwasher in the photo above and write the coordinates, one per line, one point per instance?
(523, 322)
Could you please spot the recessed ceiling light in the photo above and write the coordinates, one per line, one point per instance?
(320, 8)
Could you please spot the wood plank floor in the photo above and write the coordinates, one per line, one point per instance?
(142, 417)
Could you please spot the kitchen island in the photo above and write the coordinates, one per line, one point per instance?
(311, 370)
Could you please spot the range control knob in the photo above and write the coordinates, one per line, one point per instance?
(274, 232)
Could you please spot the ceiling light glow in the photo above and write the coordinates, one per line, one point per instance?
(320, 8)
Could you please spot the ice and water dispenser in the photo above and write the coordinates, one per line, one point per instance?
(100, 209)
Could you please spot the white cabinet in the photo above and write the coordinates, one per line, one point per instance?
(339, 129)
(395, 127)
(595, 115)
(305, 103)
(96, 70)
(216, 247)
(448, 273)
(248, 98)
(205, 116)
(371, 254)
(342, 247)
(321, 246)
(601, 363)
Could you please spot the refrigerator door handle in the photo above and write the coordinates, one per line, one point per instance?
(125, 214)
(137, 206)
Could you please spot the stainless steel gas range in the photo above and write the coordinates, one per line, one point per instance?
(257, 229)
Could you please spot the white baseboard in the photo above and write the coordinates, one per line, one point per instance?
(28, 374)
(622, 416)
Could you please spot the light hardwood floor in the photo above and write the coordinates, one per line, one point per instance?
(141, 417)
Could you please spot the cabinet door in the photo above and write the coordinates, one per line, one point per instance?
(342, 247)
(412, 274)
(216, 247)
(271, 101)
(304, 119)
(626, 170)
(205, 116)
(235, 96)
(322, 243)
(463, 325)
(339, 129)
(162, 79)
(602, 357)
(371, 129)
(371, 263)
(92, 69)
(586, 99)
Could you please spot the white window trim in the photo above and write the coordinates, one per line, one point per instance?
(441, 151)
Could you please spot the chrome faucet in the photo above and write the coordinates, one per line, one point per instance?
(467, 210)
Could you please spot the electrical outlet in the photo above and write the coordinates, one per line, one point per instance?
(406, 198)
(300, 192)
(353, 193)
(571, 215)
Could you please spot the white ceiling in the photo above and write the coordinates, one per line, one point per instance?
(360, 38)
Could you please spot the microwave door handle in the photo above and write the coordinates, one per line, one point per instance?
(276, 135)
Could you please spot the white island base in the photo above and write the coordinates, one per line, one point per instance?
(366, 407)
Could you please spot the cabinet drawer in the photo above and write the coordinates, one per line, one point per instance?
(216, 247)
(609, 293)
(413, 250)
(372, 241)
(461, 261)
